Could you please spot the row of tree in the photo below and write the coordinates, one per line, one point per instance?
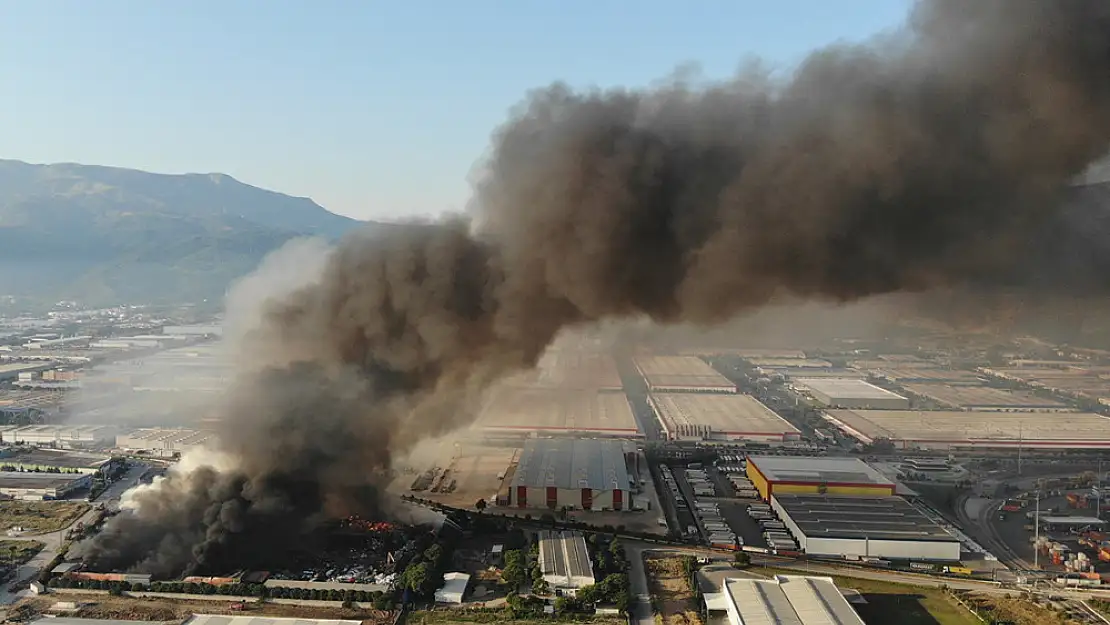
(381, 600)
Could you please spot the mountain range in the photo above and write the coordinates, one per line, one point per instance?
(106, 235)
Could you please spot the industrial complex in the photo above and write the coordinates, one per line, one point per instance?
(565, 562)
(864, 527)
(61, 436)
(583, 474)
(850, 393)
(695, 416)
(943, 430)
(678, 374)
(164, 442)
(772, 475)
(785, 599)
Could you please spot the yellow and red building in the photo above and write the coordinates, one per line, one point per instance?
(816, 476)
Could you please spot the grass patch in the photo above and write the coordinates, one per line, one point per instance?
(913, 605)
(40, 517)
(18, 551)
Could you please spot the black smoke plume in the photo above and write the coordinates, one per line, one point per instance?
(921, 161)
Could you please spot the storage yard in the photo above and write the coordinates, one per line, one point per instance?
(851, 393)
(943, 430)
(692, 416)
(677, 374)
(582, 474)
(523, 411)
(984, 398)
(772, 475)
(872, 527)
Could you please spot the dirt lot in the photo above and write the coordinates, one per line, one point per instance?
(40, 517)
(473, 468)
(157, 609)
(18, 551)
(1018, 611)
(671, 590)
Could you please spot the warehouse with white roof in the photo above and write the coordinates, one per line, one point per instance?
(580, 474)
(851, 393)
(565, 562)
(794, 599)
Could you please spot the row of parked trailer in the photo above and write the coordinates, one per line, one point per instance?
(731, 463)
(743, 487)
(699, 482)
(774, 530)
(717, 530)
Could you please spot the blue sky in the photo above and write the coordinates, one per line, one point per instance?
(373, 109)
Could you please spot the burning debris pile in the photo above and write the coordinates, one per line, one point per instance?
(899, 166)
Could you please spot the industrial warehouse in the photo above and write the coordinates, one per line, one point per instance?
(943, 430)
(864, 527)
(565, 369)
(578, 474)
(984, 398)
(164, 442)
(53, 460)
(791, 599)
(850, 393)
(679, 374)
(565, 562)
(694, 416)
(60, 436)
(525, 411)
(26, 486)
(772, 475)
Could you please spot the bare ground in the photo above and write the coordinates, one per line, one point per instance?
(160, 609)
(40, 517)
(668, 585)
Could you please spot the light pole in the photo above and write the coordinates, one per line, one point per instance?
(1037, 533)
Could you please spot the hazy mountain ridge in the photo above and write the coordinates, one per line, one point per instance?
(109, 234)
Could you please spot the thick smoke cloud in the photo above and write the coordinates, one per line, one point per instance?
(899, 166)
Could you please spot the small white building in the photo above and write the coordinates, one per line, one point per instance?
(454, 587)
(565, 562)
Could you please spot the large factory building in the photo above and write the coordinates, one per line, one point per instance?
(580, 474)
(773, 475)
(851, 393)
(865, 527)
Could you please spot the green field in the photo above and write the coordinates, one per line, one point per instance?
(18, 551)
(889, 602)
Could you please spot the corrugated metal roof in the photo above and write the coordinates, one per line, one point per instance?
(571, 464)
(790, 600)
(564, 555)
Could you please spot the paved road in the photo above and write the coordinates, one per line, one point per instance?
(637, 581)
(53, 541)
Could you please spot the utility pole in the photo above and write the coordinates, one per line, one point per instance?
(1037, 533)
(1098, 490)
(1019, 448)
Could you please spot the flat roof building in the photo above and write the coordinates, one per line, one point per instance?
(985, 398)
(681, 374)
(22, 459)
(572, 369)
(27, 486)
(525, 411)
(61, 436)
(565, 562)
(864, 527)
(793, 599)
(927, 375)
(453, 589)
(772, 475)
(222, 619)
(851, 393)
(586, 474)
(696, 416)
(943, 430)
(163, 441)
(790, 363)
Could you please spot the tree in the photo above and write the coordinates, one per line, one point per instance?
(742, 558)
(480, 505)
(415, 577)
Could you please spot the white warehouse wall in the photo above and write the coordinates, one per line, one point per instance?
(895, 549)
